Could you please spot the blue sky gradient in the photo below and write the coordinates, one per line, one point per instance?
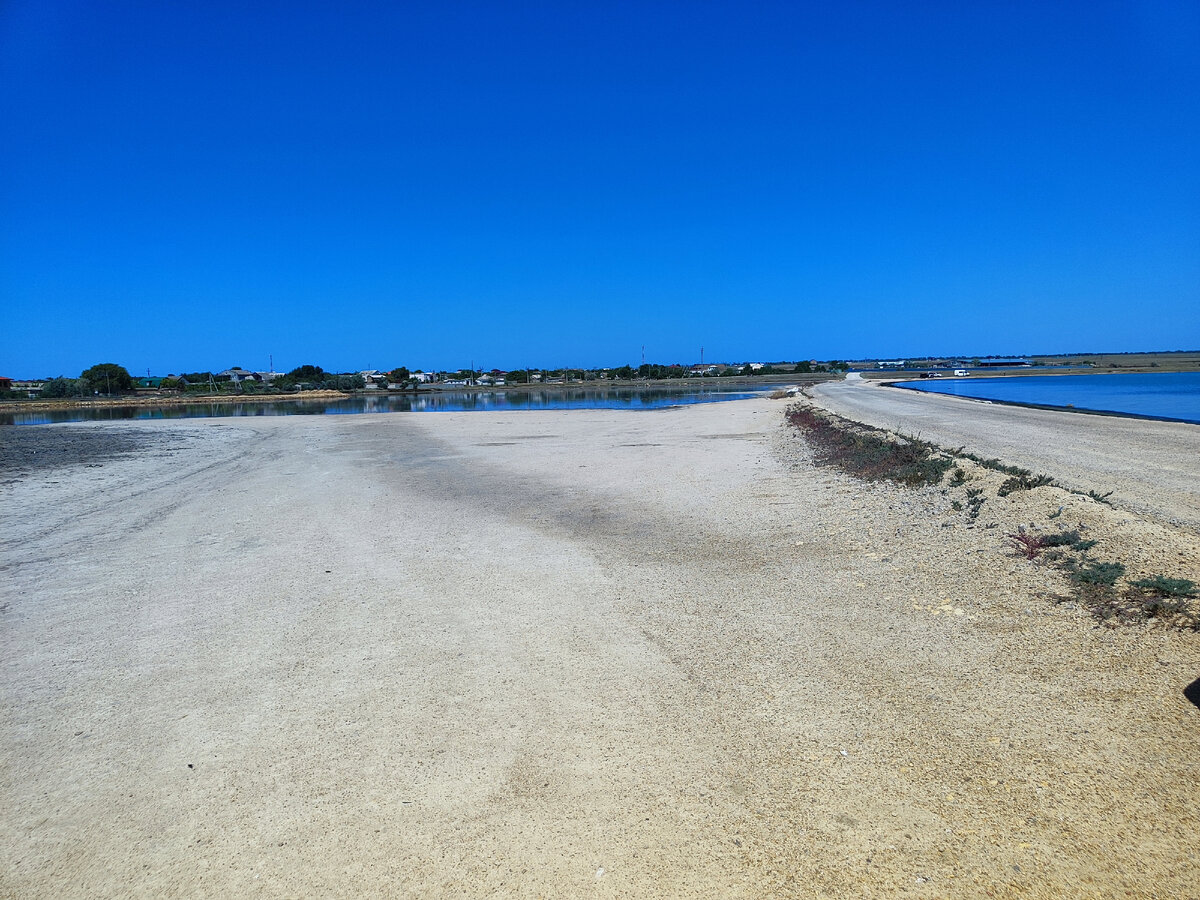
(196, 185)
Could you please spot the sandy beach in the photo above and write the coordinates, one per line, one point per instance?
(581, 653)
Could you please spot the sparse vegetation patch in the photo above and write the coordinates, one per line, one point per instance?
(1023, 482)
(869, 453)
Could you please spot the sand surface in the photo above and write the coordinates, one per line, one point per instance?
(582, 653)
(1151, 467)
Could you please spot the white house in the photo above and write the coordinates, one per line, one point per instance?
(237, 375)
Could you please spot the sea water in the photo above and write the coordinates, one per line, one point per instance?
(1167, 395)
(426, 401)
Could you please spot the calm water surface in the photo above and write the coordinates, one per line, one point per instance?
(433, 401)
(1173, 395)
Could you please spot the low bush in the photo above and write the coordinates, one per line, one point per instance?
(1029, 545)
(1166, 587)
(994, 464)
(1023, 482)
(1092, 572)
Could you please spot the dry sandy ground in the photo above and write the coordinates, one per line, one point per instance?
(1151, 467)
(582, 653)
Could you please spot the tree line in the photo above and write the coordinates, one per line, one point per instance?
(110, 379)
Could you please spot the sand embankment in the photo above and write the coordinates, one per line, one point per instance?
(1151, 467)
(165, 400)
(583, 653)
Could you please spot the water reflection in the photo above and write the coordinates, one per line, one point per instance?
(426, 401)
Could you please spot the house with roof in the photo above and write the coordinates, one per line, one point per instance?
(238, 375)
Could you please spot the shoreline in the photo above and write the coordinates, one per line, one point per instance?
(166, 401)
(1046, 406)
(1152, 465)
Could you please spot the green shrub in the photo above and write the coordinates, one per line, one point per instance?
(1098, 573)
(1023, 482)
(1166, 587)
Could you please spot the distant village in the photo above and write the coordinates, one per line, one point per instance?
(107, 379)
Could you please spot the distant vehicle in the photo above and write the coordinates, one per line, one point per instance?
(961, 373)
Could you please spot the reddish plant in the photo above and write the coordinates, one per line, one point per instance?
(1030, 545)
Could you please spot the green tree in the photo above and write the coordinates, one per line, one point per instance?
(307, 373)
(61, 387)
(107, 378)
(399, 375)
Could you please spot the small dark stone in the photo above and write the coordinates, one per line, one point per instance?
(1192, 692)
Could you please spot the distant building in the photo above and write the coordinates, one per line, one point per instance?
(1004, 363)
(32, 389)
(238, 375)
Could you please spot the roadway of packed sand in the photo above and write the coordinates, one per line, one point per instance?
(1151, 467)
(576, 653)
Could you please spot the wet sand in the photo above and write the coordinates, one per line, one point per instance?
(582, 653)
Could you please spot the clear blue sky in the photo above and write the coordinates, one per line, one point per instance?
(195, 185)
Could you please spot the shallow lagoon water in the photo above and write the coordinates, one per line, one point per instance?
(633, 398)
(1167, 395)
